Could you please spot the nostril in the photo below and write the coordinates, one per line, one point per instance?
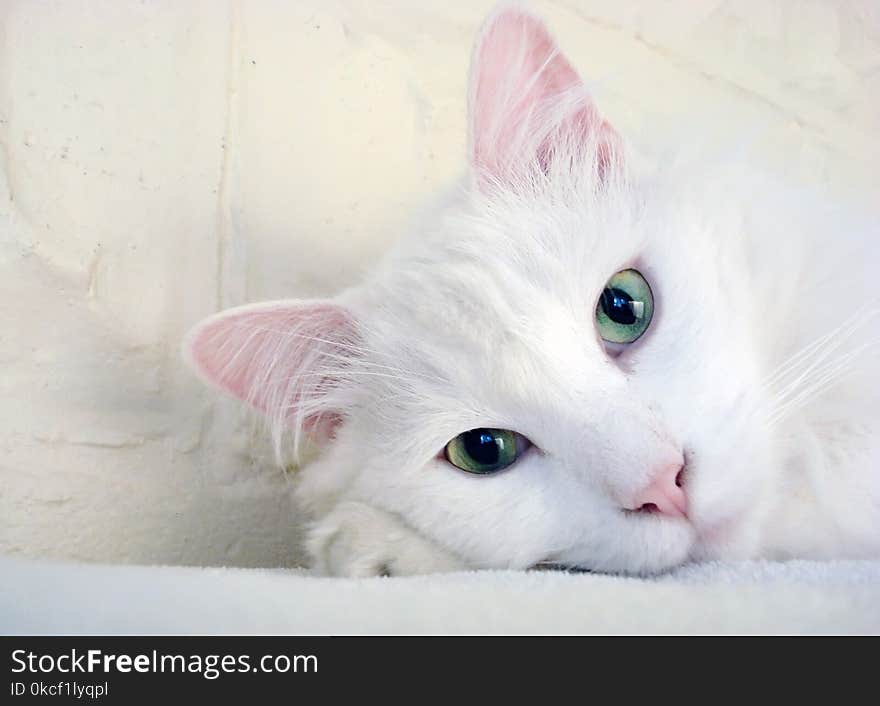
(664, 494)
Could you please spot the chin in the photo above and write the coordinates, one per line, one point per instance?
(654, 546)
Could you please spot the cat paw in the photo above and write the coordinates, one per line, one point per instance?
(357, 540)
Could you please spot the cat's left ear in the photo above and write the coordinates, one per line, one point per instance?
(528, 108)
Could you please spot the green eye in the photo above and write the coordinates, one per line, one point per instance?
(484, 451)
(625, 308)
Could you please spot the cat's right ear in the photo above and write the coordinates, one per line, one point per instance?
(528, 108)
(284, 358)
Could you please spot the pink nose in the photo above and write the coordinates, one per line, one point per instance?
(664, 494)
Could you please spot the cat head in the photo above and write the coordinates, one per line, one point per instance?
(556, 368)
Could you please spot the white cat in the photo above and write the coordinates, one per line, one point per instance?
(571, 365)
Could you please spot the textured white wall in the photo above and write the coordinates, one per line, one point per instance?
(161, 160)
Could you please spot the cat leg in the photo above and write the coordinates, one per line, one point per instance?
(357, 540)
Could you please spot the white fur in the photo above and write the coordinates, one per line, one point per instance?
(760, 363)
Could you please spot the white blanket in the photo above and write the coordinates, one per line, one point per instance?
(754, 597)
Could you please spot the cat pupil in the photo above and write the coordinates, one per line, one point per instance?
(617, 306)
(483, 447)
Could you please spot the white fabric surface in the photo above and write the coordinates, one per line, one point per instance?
(756, 597)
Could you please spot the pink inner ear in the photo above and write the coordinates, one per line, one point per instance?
(272, 355)
(526, 97)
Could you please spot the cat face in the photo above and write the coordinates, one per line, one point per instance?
(553, 369)
(492, 323)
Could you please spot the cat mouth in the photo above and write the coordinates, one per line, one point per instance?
(555, 566)
(676, 540)
(576, 569)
